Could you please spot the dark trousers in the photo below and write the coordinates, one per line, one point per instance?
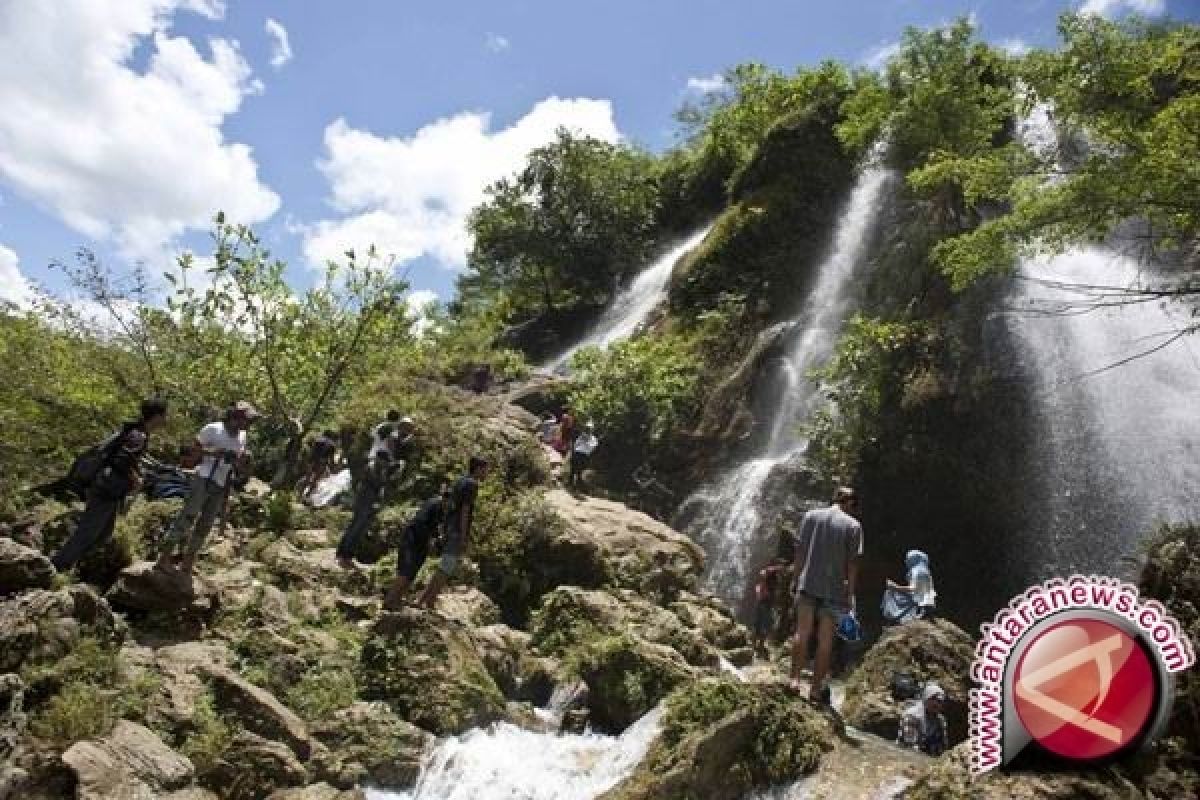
(578, 464)
(360, 522)
(95, 526)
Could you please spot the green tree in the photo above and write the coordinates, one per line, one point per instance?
(306, 348)
(576, 219)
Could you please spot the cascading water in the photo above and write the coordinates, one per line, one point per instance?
(727, 517)
(505, 762)
(1120, 449)
(633, 304)
(1115, 387)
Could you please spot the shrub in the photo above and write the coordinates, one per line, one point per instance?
(210, 737)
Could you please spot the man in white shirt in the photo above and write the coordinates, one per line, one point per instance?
(581, 454)
(223, 445)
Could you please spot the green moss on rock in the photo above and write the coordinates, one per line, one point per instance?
(427, 670)
(721, 739)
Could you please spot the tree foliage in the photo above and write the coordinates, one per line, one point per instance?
(578, 218)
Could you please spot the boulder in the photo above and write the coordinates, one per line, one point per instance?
(721, 739)
(40, 625)
(600, 539)
(320, 791)
(626, 677)
(311, 539)
(368, 743)
(469, 606)
(311, 568)
(23, 568)
(937, 651)
(179, 666)
(256, 709)
(950, 777)
(570, 616)
(427, 669)
(131, 763)
(253, 767)
(143, 587)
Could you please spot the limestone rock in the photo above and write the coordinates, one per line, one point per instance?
(312, 568)
(721, 739)
(950, 777)
(368, 743)
(311, 539)
(179, 668)
(320, 791)
(931, 651)
(142, 587)
(603, 538)
(469, 606)
(23, 568)
(44, 625)
(626, 678)
(253, 767)
(426, 668)
(257, 709)
(131, 763)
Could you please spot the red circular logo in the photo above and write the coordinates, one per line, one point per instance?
(1084, 689)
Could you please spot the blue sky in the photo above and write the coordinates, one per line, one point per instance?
(125, 123)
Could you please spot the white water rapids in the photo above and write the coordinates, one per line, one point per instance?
(729, 527)
(632, 305)
(505, 762)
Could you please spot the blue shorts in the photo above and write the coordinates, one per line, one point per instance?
(821, 606)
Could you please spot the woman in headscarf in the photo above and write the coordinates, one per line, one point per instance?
(915, 599)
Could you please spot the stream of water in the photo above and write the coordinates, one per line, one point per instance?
(504, 762)
(633, 304)
(728, 516)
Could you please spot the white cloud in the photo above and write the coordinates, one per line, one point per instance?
(411, 196)
(14, 288)
(1111, 8)
(132, 157)
(877, 57)
(1014, 46)
(281, 48)
(418, 302)
(495, 43)
(713, 83)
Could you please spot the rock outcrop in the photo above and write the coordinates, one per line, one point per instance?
(427, 669)
(131, 763)
(44, 626)
(143, 587)
(257, 710)
(937, 651)
(23, 568)
(721, 739)
(368, 744)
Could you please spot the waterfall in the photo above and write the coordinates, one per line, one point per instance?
(633, 304)
(505, 762)
(1120, 443)
(727, 518)
(1116, 391)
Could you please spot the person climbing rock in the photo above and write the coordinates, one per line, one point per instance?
(383, 466)
(427, 523)
(828, 547)
(460, 514)
(765, 597)
(581, 454)
(222, 445)
(915, 599)
(566, 432)
(116, 473)
(923, 724)
(321, 456)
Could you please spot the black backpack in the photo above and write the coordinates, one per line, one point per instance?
(88, 464)
(905, 686)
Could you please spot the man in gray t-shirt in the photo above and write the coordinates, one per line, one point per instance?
(828, 547)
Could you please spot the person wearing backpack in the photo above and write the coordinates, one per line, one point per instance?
(108, 474)
(222, 445)
(383, 467)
